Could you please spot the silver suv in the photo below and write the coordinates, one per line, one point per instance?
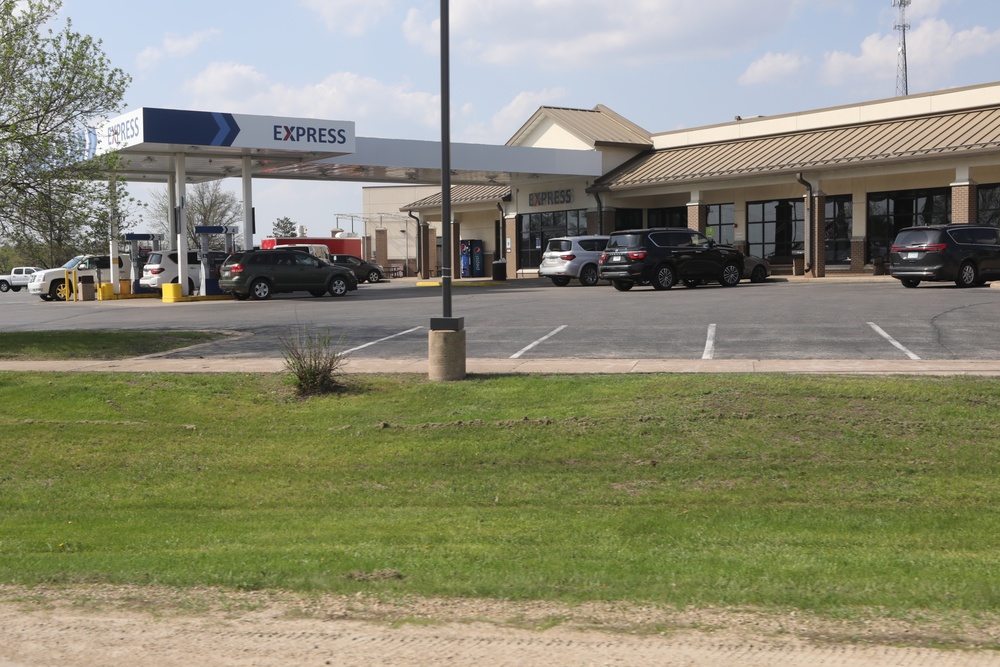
(569, 257)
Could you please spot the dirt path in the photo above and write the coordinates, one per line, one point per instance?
(156, 627)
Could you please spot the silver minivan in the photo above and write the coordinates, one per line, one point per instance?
(568, 257)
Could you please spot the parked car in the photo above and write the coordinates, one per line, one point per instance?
(161, 269)
(19, 277)
(366, 271)
(569, 257)
(663, 256)
(50, 284)
(966, 254)
(261, 273)
(756, 269)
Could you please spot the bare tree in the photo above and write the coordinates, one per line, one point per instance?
(207, 204)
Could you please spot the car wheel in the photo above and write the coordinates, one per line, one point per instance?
(559, 281)
(317, 292)
(691, 282)
(60, 291)
(731, 275)
(45, 297)
(17, 288)
(374, 276)
(260, 289)
(966, 275)
(588, 275)
(663, 277)
(758, 274)
(338, 286)
(4, 286)
(622, 285)
(910, 282)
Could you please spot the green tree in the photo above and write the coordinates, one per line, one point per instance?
(53, 85)
(207, 204)
(285, 227)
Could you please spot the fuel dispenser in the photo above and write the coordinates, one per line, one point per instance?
(209, 269)
(133, 254)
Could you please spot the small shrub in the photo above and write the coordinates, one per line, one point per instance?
(314, 361)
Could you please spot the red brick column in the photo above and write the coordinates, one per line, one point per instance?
(697, 217)
(964, 203)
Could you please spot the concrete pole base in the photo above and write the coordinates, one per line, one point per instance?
(446, 355)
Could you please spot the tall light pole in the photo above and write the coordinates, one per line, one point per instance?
(446, 341)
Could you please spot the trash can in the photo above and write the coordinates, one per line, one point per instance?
(878, 266)
(798, 265)
(86, 288)
(500, 269)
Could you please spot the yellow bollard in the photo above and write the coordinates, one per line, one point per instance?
(172, 293)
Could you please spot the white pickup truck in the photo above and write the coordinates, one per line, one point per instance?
(50, 284)
(18, 278)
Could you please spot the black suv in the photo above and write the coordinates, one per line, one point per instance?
(261, 273)
(662, 256)
(967, 254)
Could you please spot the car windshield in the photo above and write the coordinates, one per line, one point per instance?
(625, 241)
(917, 237)
(71, 264)
(559, 245)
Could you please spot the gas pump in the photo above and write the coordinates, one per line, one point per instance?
(133, 254)
(210, 274)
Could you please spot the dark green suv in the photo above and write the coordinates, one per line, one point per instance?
(261, 273)
(663, 256)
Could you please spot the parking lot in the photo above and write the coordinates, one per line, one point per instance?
(863, 319)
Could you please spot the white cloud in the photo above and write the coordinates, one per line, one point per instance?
(772, 67)
(377, 107)
(351, 17)
(595, 33)
(934, 52)
(173, 47)
(512, 116)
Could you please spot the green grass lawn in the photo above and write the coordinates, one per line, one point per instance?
(29, 345)
(818, 493)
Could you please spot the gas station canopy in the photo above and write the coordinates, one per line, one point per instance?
(215, 145)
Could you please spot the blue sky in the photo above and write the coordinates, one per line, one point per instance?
(664, 64)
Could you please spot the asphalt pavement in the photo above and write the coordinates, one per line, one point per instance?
(567, 365)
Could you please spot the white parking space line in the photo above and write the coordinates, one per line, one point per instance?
(709, 343)
(381, 340)
(892, 340)
(544, 338)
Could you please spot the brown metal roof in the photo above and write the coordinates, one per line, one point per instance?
(463, 194)
(599, 126)
(872, 143)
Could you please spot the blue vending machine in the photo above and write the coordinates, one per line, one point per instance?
(473, 262)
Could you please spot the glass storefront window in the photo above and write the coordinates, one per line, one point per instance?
(675, 216)
(719, 227)
(775, 229)
(988, 204)
(889, 212)
(839, 220)
(537, 228)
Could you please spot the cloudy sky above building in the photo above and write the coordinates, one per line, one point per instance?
(664, 64)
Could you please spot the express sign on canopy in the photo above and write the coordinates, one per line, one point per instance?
(207, 128)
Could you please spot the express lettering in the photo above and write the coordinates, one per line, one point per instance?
(310, 135)
(553, 198)
(122, 132)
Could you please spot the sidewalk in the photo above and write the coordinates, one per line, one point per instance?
(527, 366)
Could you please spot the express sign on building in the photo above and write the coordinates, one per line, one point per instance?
(207, 128)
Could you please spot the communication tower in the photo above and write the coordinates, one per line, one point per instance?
(902, 88)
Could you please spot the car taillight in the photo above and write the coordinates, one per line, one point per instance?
(567, 258)
(236, 268)
(930, 247)
(638, 254)
(157, 271)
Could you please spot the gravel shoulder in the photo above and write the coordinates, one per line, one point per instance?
(165, 627)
